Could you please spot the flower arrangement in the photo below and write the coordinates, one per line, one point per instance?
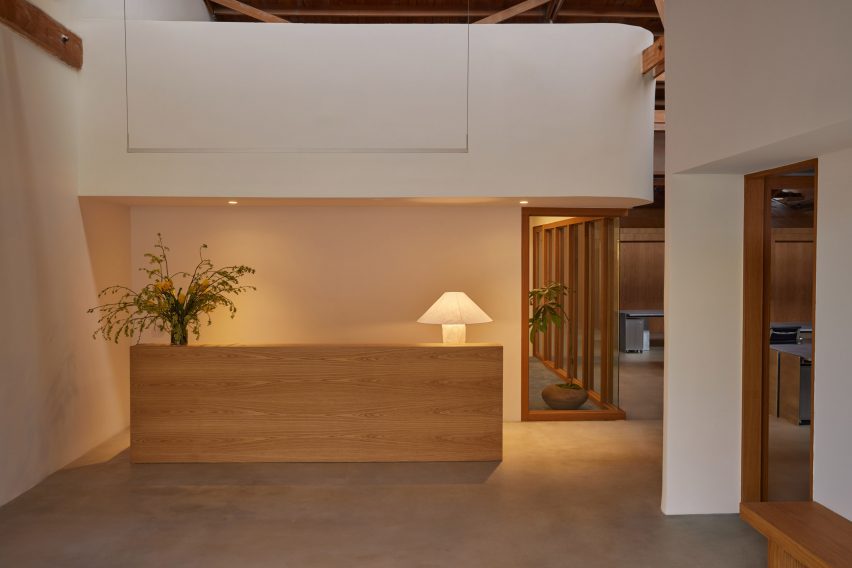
(162, 306)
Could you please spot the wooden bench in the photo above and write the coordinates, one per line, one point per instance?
(801, 534)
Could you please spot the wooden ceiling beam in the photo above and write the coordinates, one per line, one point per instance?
(251, 11)
(661, 10)
(34, 24)
(654, 58)
(424, 13)
(512, 11)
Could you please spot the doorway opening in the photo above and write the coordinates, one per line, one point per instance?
(569, 363)
(641, 261)
(778, 333)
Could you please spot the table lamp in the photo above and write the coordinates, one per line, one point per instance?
(453, 310)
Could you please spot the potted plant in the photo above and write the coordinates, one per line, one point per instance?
(161, 305)
(547, 308)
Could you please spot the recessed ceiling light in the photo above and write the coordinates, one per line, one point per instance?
(232, 203)
(523, 202)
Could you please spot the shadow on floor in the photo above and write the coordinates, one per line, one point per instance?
(274, 474)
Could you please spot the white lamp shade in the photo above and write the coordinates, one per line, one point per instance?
(454, 308)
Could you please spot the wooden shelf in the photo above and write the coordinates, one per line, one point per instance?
(801, 534)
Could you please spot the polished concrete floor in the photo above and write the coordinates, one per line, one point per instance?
(568, 494)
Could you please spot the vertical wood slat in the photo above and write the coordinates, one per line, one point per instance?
(606, 320)
(588, 324)
(548, 257)
(526, 262)
(559, 330)
(572, 301)
(536, 281)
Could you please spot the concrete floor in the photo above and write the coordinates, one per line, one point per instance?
(582, 494)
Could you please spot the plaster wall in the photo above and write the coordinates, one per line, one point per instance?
(61, 393)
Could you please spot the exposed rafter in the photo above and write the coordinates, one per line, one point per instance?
(425, 11)
(34, 24)
(654, 58)
(661, 10)
(512, 11)
(251, 11)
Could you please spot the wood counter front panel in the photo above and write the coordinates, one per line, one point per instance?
(314, 403)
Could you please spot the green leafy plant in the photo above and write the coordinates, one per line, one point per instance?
(163, 306)
(547, 307)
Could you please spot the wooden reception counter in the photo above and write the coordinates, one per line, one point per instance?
(316, 403)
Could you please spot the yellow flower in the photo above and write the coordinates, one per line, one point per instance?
(182, 298)
(164, 285)
(204, 285)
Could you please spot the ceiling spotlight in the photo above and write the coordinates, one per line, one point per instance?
(232, 203)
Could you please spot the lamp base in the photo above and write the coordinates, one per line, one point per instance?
(453, 332)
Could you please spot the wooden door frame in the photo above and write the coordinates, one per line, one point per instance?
(757, 242)
(609, 412)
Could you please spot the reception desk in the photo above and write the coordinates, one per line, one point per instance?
(316, 403)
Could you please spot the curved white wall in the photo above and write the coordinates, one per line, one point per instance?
(553, 111)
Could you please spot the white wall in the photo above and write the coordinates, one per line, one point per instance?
(832, 356)
(351, 274)
(554, 111)
(774, 88)
(703, 362)
(248, 87)
(754, 79)
(61, 393)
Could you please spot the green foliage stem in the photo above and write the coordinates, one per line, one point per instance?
(160, 306)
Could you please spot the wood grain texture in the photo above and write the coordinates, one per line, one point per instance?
(801, 533)
(792, 280)
(34, 24)
(251, 11)
(789, 381)
(641, 275)
(774, 359)
(512, 11)
(316, 403)
(654, 57)
(756, 254)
